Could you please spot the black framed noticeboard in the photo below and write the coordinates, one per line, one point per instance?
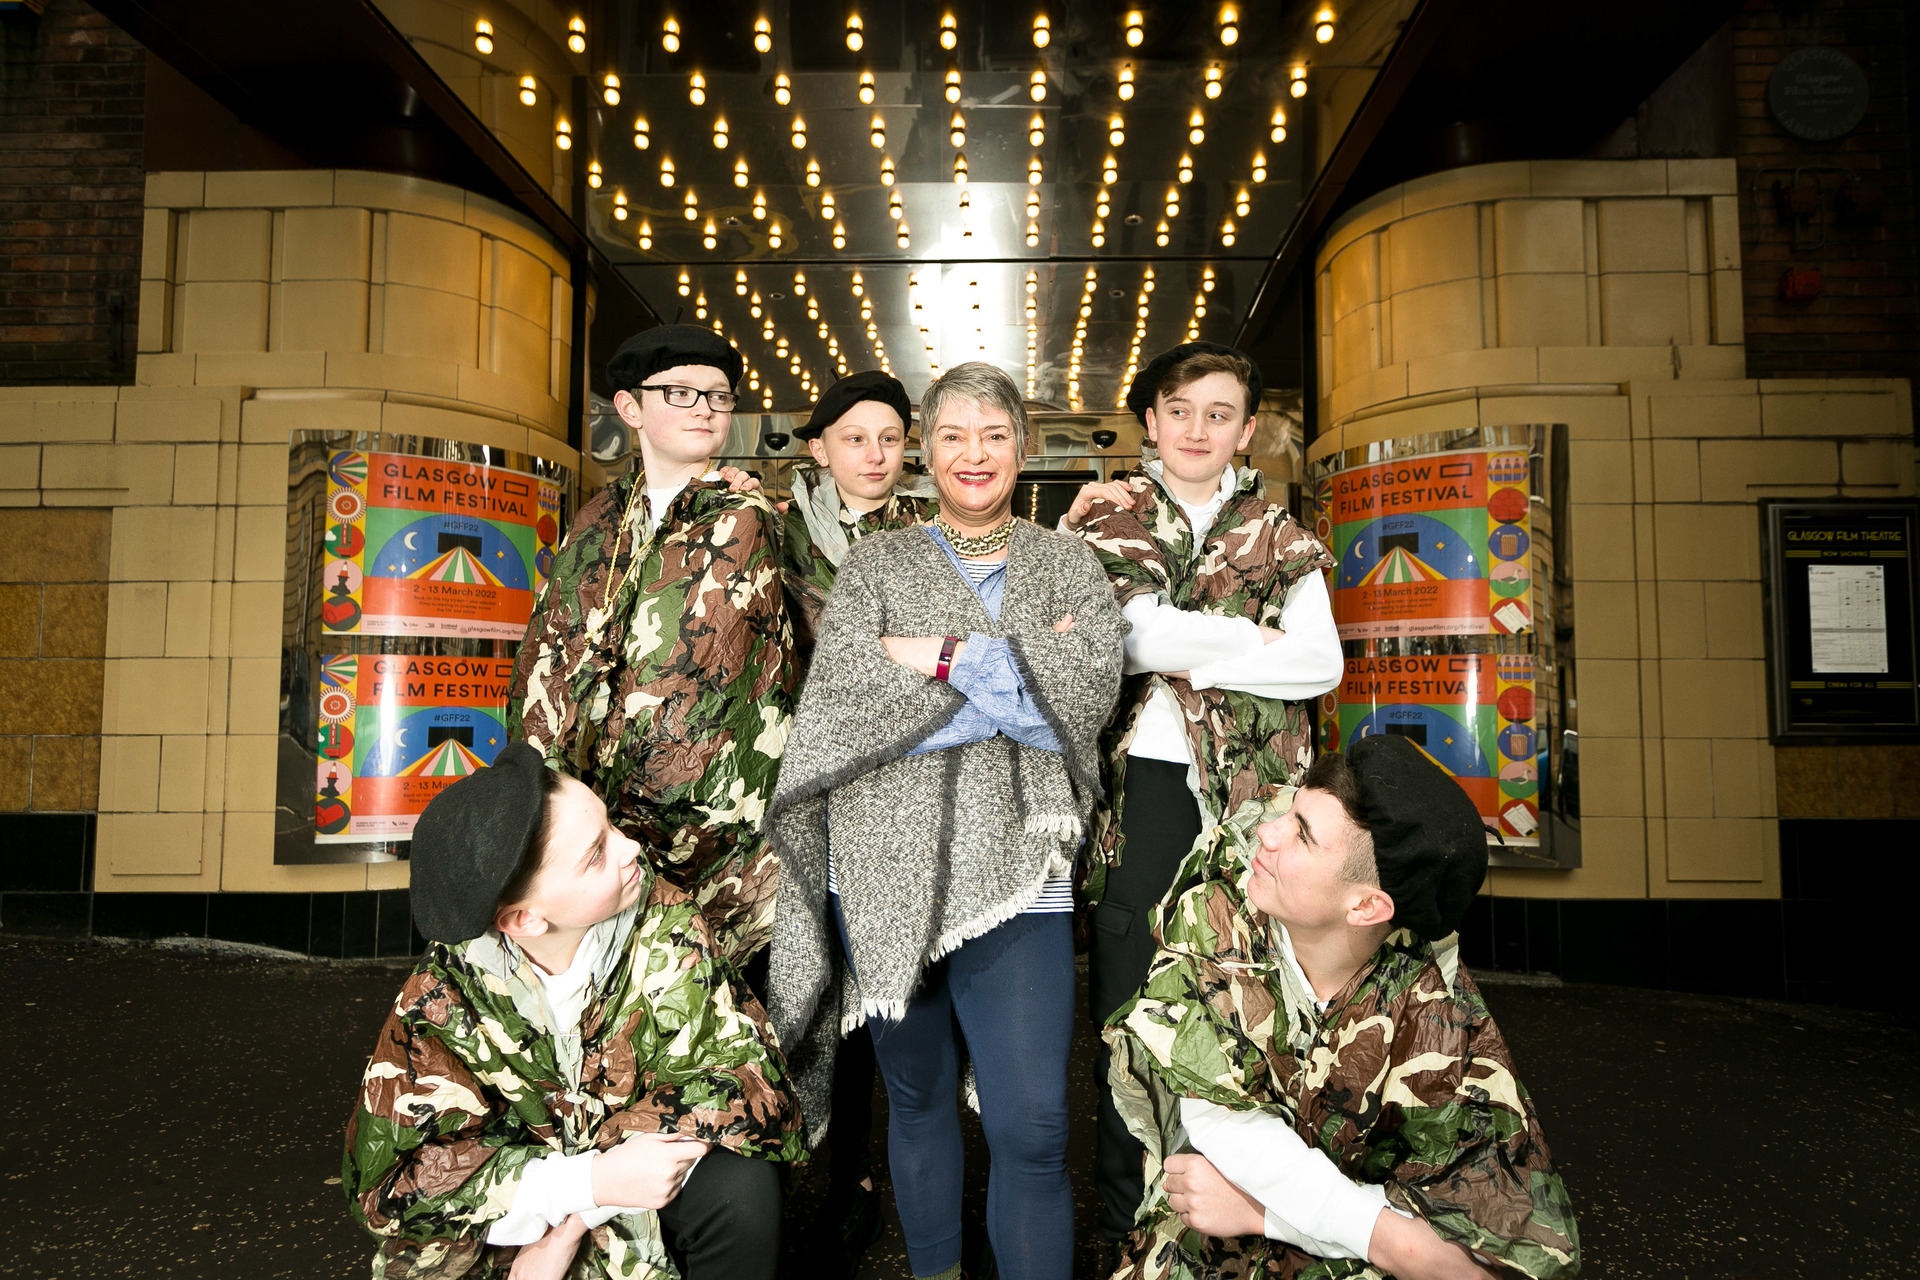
(1840, 620)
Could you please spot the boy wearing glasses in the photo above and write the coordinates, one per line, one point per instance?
(658, 667)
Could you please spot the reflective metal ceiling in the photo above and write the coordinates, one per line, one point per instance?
(811, 256)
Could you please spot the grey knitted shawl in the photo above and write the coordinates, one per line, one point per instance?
(928, 850)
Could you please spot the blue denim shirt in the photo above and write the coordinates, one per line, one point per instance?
(985, 673)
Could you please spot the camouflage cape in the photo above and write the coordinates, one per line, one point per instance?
(809, 569)
(1403, 1080)
(466, 1087)
(658, 670)
(1243, 746)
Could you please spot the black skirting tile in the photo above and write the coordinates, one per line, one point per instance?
(46, 915)
(150, 915)
(281, 920)
(45, 852)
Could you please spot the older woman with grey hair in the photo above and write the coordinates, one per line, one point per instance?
(933, 796)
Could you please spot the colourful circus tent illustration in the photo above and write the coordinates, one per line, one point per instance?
(450, 759)
(456, 565)
(1400, 565)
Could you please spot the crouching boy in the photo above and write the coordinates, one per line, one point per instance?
(1320, 1088)
(573, 1079)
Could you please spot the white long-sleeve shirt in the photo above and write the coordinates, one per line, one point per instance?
(1227, 653)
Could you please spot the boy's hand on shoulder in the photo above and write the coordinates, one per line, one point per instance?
(740, 481)
(645, 1171)
(549, 1257)
(1118, 492)
(1409, 1249)
(1208, 1203)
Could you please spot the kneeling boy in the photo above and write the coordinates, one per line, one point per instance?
(572, 1066)
(1319, 1085)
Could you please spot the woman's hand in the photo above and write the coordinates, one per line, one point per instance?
(1208, 1203)
(1118, 492)
(922, 653)
(644, 1172)
(549, 1257)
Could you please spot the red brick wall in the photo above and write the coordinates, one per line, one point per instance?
(1866, 321)
(72, 182)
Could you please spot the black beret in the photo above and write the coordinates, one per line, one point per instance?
(469, 841)
(850, 391)
(1429, 842)
(1147, 381)
(667, 346)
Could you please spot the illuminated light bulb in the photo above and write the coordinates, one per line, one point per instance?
(800, 289)
(1299, 78)
(894, 209)
(813, 173)
(957, 130)
(1037, 85)
(1160, 235)
(1042, 32)
(858, 284)
(1243, 203)
(610, 89)
(949, 31)
(700, 307)
(799, 133)
(1085, 311)
(740, 172)
(866, 87)
(953, 84)
(697, 89)
(1103, 206)
(1110, 171)
(1196, 128)
(1136, 28)
(1206, 280)
(666, 172)
(483, 36)
(1323, 24)
(646, 234)
(826, 205)
(1037, 130)
(839, 236)
(670, 36)
(856, 32)
(710, 235)
(1117, 131)
(759, 206)
(642, 139)
(773, 235)
(594, 175)
(886, 171)
(960, 171)
(904, 240)
(762, 35)
(692, 209)
(1226, 232)
(1033, 171)
(1259, 168)
(529, 90)
(740, 283)
(1033, 204)
(1229, 25)
(878, 136)
(720, 133)
(563, 135)
(1173, 202)
(1033, 234)
(782, 89)
(1186, 168)
(685, 283)
(619, 206)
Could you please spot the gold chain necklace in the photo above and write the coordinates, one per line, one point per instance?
(984, 545)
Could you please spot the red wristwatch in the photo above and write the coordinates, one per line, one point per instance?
(945, 665)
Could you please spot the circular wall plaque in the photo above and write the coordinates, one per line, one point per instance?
(1817, 93)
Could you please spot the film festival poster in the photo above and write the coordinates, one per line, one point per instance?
(397, 728)
(421, 546)
(1439, 545)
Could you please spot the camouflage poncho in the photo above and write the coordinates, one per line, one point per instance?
(658, 671)
(466, 1087)
(1404, 1080)
(1243, 746)
(809, 568)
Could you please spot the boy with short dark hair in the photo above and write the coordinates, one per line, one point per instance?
(1320, 1088)
(573, 1075)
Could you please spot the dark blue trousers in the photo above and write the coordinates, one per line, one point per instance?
(1010, 994)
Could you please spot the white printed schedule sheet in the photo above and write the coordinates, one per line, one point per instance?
(1847, 610)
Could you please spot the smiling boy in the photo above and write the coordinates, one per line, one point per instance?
(658, 667)
(1231, 630)
(1320, 1088)
(572, 1069)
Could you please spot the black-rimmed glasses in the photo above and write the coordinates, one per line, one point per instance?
(684, 397)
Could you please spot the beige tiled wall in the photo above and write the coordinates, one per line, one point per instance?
(272, 302)
(1605, 295)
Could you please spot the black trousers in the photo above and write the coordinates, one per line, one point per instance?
(1159, 821)
(725, 1223)
(850, 1136)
